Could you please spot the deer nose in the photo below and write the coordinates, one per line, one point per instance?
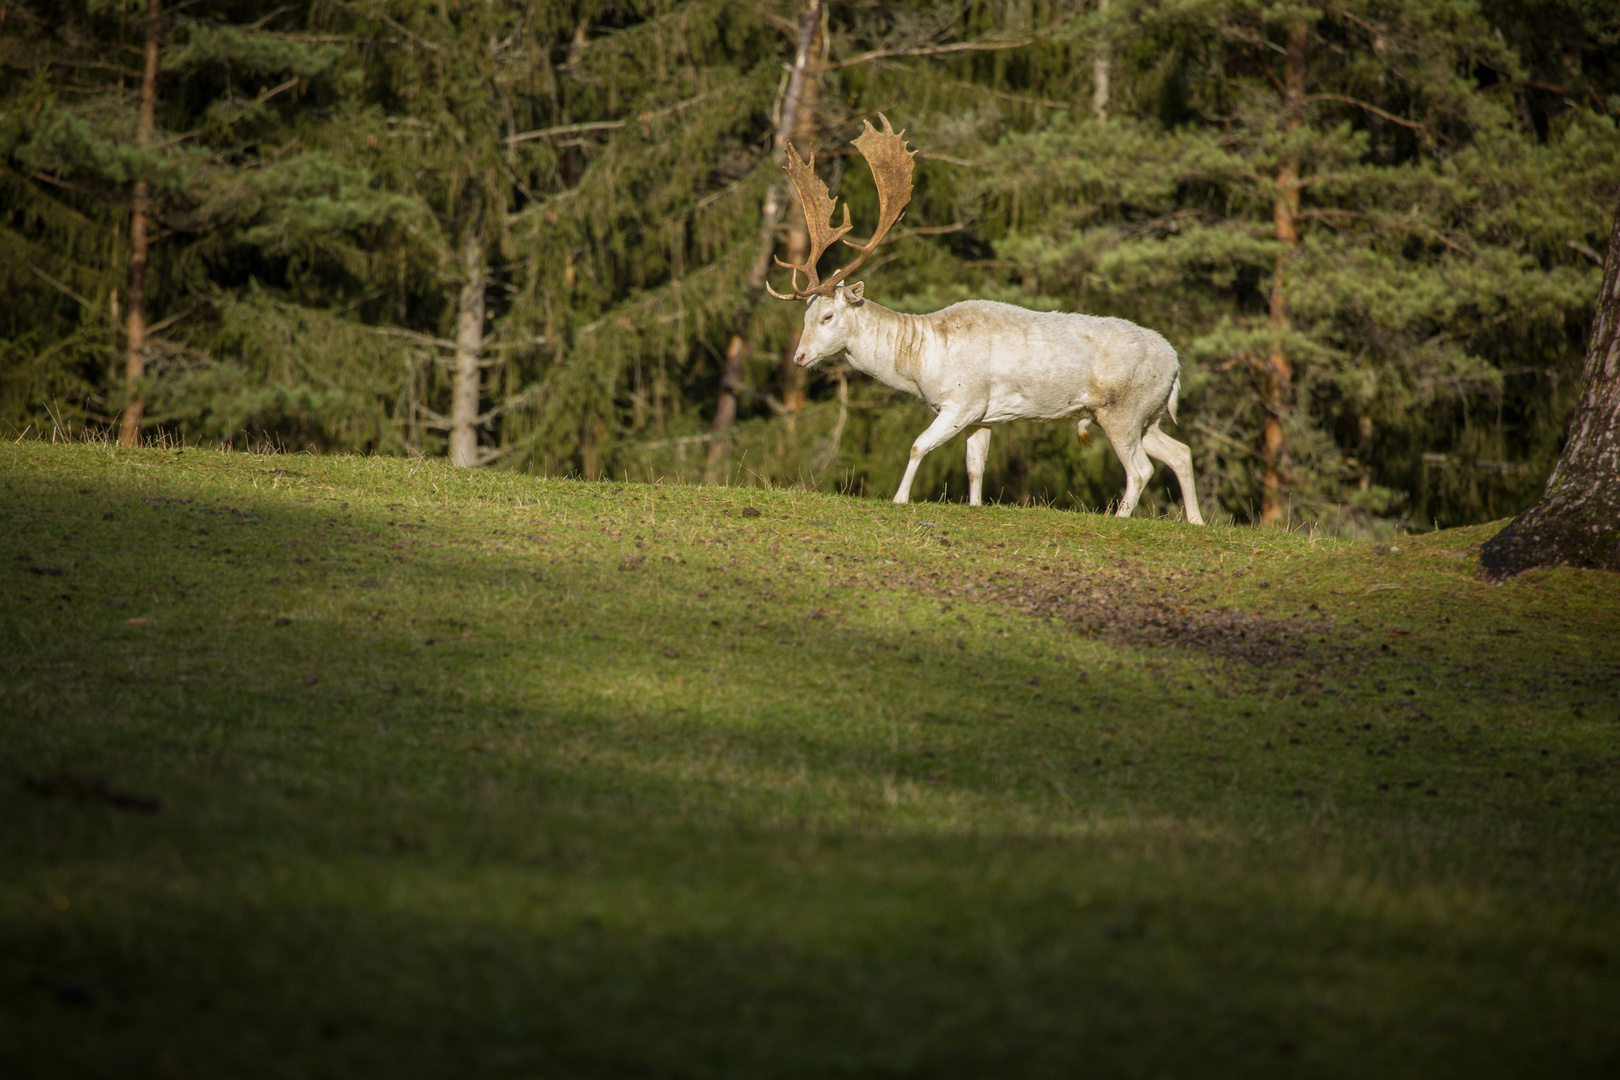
(798, 358)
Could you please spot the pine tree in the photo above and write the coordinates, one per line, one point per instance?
(634, 255)
(166, 188)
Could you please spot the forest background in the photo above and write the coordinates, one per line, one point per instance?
(534, 236)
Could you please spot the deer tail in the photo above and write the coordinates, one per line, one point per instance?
(1175, 392)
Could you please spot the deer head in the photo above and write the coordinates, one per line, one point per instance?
(886, 155)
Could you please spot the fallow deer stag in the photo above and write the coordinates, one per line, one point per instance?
(979, 362)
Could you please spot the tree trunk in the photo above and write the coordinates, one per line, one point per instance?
(469, 344)
(725, 413)
(1577, 521)
(1278, 372)
(129, 428)
(1100, 72)
(790, 376)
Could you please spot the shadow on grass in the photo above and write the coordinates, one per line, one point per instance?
(537, 847)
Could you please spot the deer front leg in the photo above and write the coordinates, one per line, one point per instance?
(978, 448)
(943, 429)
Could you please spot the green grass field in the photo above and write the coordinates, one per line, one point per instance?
(334, 767)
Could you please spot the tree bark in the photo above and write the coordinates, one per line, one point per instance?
(1577, 521)
(1277, 372)
(469, 345)
(1101, 70)
(129, 427)
(725, 413)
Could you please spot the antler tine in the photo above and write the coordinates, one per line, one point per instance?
(818, 212)
(891, 164)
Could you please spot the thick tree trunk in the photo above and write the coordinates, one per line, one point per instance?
(1101, 70)
(725, 413)
(469, 382)
(1277, 372)
(1577, 521)
(129, 427)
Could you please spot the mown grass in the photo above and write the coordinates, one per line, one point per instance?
(472, 773)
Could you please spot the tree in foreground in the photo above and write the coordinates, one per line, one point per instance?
(1577, 521)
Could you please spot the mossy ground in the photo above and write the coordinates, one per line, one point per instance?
(473, 773)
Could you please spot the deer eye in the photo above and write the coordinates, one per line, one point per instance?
(827, 318)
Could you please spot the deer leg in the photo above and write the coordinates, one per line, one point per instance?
(978, 448)
(942, 430)
(1126, 440)
(1179, 458)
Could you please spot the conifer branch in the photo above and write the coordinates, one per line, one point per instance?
(411, 335)
(259, 24)
(643, 117)
(1241, 448)
(440, 422)
(738, 386)
(1004, 95)
(566, 129)
(1372, 31)
(1331, 215)
(928, 230)
(932, 50)
(164, 324)
(787, 26)
(58, 286)
(426, 44)
(428, 418)
(1380, 113)
(1577, 246)
(1272, 75)
(262, 97)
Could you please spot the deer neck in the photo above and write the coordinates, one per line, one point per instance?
(890, 347)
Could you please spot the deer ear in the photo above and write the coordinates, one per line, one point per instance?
(854, 295)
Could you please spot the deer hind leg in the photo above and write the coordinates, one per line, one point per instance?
(978, 448)
(942, 430)
(1126, 438)
(1176, 455)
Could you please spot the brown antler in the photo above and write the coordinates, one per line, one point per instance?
(818, 212)
(886, 154)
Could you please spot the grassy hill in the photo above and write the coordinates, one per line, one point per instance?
(340, 766)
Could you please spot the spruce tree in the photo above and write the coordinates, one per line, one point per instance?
(141, 194)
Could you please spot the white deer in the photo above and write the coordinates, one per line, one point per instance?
(980, 363)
